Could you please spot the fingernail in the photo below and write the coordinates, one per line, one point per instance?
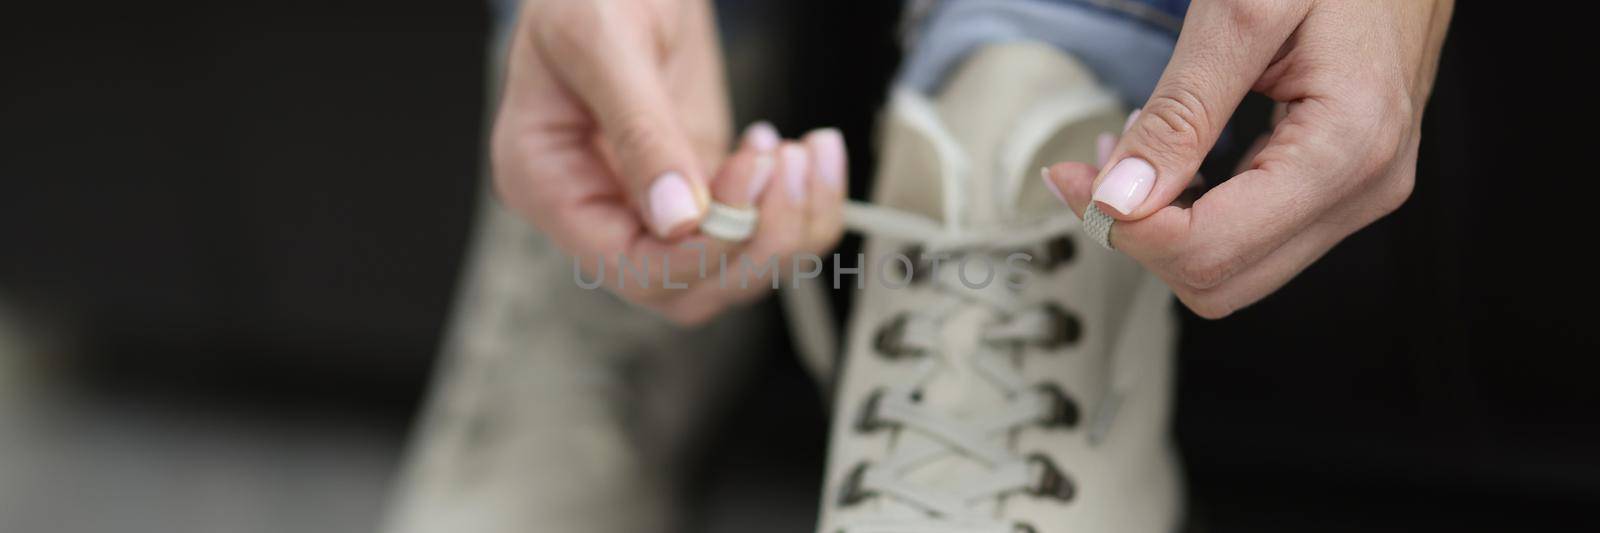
(1103, 145)
(671, 203)
(1131, 117)
(794, 172)
(828, 145)
(762, 137)
(1126, 185)
(1044, 174)
(761, 176)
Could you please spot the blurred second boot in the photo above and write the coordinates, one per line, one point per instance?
(556, 408)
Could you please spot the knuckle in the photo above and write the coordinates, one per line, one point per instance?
(1384, 145)
(1371, 167)
(1397, 191)
(1201, 271)
(509, 178)
(649, 297)
(1394, 127)
(787, 243)
(1249, 15)
(1390, 142)
(825, 235)
(1401, 106)
(786, 237)
(505, 157)
(565, 29)
(636, 136)
(691, 317)
(500, 163)
(1177, 121)
(1209, 307)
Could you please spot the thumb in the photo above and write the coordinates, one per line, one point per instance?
(613, 67)
(1222, 51)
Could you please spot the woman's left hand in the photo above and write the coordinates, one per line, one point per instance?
(1351, 78)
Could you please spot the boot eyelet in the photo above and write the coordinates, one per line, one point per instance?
(889, 339)
(852, 493)
(1064, 412)
(1051, 482)
(1059, 251)
(1065, 327)
(917, 275)
(869, 422)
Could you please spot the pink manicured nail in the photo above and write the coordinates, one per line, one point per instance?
(762, 137)
(1131, 117)
(1044, 174)
(761, 176)
(671, 203)
(1127, 185)
(828, 146)
(1103, 145)
(794, 172)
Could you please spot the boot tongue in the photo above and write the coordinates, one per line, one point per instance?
(921, 148)
(1015, 108)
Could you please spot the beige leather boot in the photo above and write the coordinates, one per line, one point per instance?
(967, 407)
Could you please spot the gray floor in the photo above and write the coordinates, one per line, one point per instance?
(72, 464)
(77, 459)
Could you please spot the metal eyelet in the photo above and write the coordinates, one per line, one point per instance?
(1059, 251)
(852, 493)
(869, 422)
(888, 341)
(1065, 328)
(1052, 482)
(916, 276)
(1064, 412)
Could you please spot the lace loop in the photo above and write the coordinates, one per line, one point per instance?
(979, 434)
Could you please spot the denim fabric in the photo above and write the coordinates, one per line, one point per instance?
(1126, 53)
(1125, 50)
(1173, 8)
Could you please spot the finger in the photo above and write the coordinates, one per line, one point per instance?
(780, 234)
(781, 230)
(1144, 240)
(696, 76)
(1262, 278)
(696, 308)
(1258, 280)
(688, 268)
(740, 182)
(1106, 142)
(695, 260)
(1303, 171)
(1223, 49)
(744, 176)
(825, 209)
(606, 54)
(1071, 182)
(761, 136)
(1103, 145)
(736, 188)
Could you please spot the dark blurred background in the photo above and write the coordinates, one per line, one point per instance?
(229, 236)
